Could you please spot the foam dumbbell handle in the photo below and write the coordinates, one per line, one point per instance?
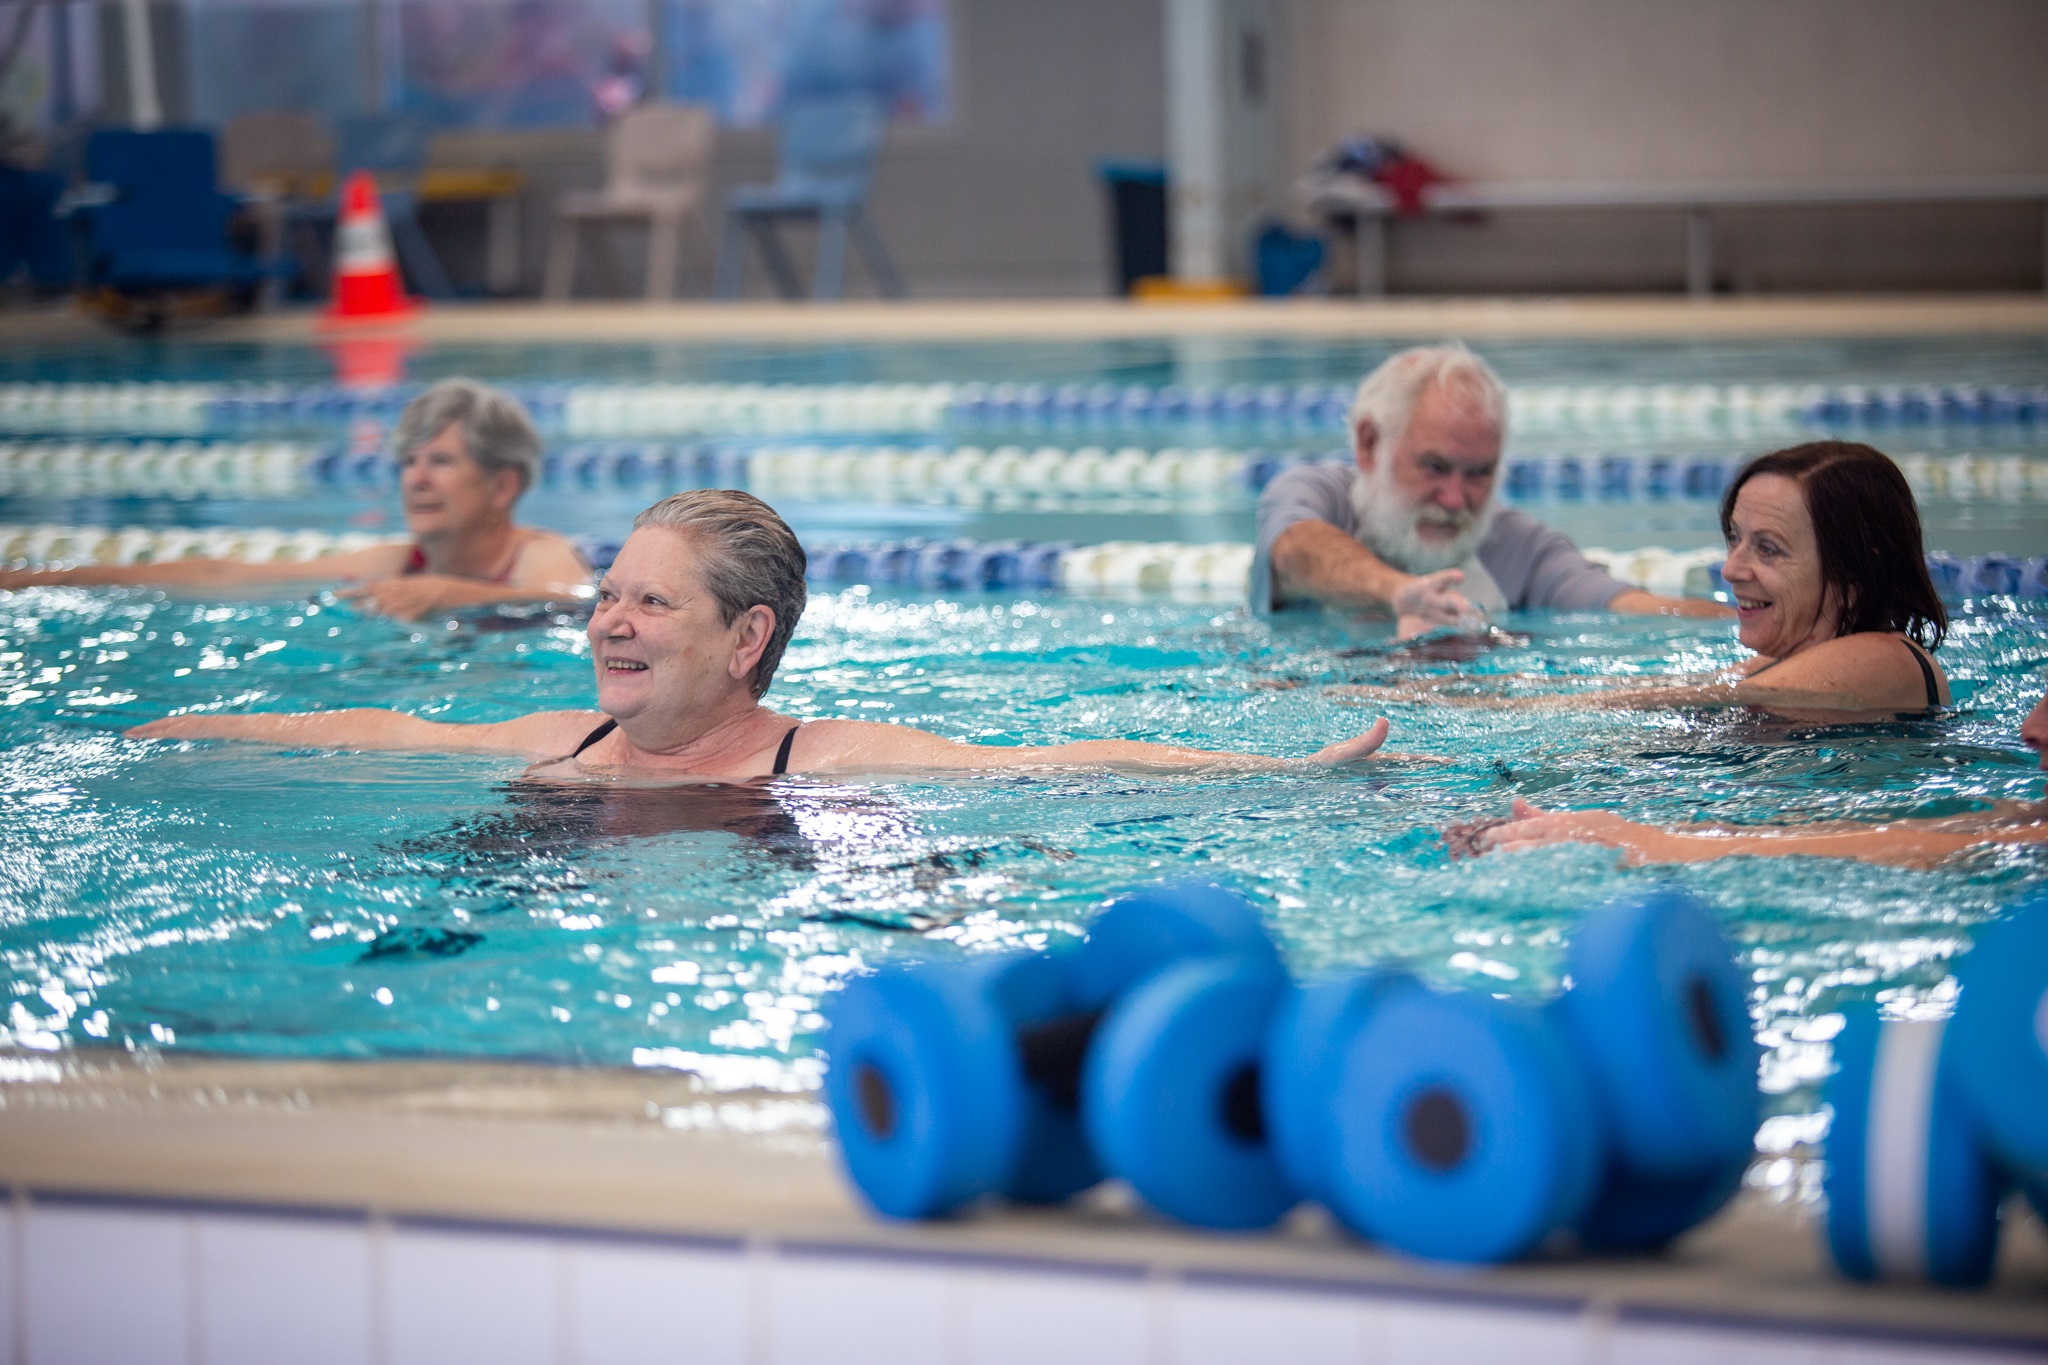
(926, 1087)
(1658, 1011)
(1465, 1128)
(1911, 1194)
(1634, 1213)
(1297, 1063)
(2001, 1038)
(1170, 1093)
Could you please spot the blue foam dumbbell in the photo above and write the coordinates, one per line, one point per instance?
(2000, 1047)
(1657, 1009)
(1304, 1043)
(950, 1083)
(1912, 1193)
(1464, 1129)
(1171, 1093)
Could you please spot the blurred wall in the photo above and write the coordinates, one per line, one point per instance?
(1683, 90)
(1001, 201)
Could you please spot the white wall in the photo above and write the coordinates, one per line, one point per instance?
(1683, 90)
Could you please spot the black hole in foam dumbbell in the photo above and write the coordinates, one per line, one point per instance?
(1242, 1117)
(1053, 1052)
(1705, 1019)
(1437, 1129)
(876, 1101)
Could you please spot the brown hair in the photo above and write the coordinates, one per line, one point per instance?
(1868, 533)
(750, 559)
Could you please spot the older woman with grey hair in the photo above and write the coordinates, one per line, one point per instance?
(691, 622)
(466, 454)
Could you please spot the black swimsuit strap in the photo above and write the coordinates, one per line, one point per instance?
(782, 754)
(595, 735)
(1926, 672)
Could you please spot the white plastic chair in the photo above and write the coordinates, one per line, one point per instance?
(657, 160)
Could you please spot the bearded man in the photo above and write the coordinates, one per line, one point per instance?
(1415, 528)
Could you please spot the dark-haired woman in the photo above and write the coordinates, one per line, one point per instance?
(1829, 576)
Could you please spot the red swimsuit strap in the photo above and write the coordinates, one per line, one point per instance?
(416, 562)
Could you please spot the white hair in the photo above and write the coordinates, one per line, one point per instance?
(496, 430)
(1389, 394)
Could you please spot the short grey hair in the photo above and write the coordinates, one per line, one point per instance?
(1389, 394)
(750, 559)
(495, 428)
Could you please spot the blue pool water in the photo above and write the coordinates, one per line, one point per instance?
(253, 901)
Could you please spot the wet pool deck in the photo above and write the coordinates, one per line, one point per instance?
(650, 1154)
(1619, 317)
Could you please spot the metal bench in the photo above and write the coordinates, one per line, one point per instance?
(1368, 207)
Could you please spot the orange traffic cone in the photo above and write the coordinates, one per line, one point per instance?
(366, 284)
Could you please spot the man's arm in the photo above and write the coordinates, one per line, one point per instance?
(1315, 560)
(544, 734)
(869, 746)
(1639, 602)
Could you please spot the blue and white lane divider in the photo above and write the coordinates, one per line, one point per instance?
(960, 565)
(966, 474)
(591, 410)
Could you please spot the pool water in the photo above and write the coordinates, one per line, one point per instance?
(241, 899)
(246, 900)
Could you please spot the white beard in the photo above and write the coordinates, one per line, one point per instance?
(1388, 517)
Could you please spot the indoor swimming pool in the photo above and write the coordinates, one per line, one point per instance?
(211, 898)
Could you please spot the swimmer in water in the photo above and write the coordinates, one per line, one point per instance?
(690, 624)
(1901, 843)
(466, 454)
(1829, 575)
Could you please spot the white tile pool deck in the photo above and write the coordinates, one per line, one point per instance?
(210, 1210)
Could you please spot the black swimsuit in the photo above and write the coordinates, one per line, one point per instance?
(781, 754)
(1926, 672)
(1919, 657)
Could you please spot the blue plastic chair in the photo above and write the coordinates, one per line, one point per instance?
(393, 147)
(825, 157)
(158, 221)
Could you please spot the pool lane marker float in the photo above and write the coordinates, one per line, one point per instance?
(2000, 1047)
(951, 1083)
(1912, 1193)
(1114, 568)
(665, 409)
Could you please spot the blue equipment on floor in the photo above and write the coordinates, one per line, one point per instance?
(2000, 1049)
(1912, 1192)
(950, 1083)
(156, 223)
(825, 158)
(1170, 1050)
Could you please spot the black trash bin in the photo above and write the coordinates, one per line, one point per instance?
(1137, 219)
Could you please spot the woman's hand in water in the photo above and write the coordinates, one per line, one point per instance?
(412, 596)
(1354, 750)
(1530, 827)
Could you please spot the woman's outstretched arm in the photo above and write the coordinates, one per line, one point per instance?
(868, 746)
(1899, 843)
(217, 574)
(544, 734)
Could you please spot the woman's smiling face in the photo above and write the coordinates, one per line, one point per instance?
(1773, 570)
